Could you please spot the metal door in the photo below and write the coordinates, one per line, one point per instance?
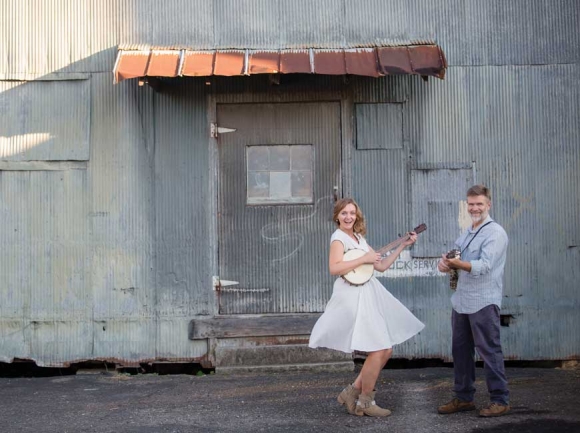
(279, 172)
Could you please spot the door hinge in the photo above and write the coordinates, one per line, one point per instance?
(216, 130)
(218, 283)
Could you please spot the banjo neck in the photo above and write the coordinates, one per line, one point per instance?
(392, 245)
(361, 274)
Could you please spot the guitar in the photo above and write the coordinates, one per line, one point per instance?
(453, 274)
(361, 274)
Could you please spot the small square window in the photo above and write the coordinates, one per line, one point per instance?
(279, 174)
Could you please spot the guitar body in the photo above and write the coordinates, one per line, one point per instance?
(453, 274)
(361, 274)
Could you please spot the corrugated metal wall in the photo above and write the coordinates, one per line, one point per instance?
(110, 257)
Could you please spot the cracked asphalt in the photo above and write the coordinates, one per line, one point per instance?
(543, 400)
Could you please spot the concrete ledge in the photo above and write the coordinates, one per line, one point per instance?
(286, 354)
(345, 366)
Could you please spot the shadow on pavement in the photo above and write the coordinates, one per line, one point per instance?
(532, 426)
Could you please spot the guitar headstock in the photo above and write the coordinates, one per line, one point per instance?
(420, 228)
(453, 254)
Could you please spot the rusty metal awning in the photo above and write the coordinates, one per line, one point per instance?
(419, 59)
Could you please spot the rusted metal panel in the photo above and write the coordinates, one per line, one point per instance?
(229, 63)
(264, 62)
(132, 64)
(395, 60)
(329, 62)
(198, 64)
(295, 61)
(428, 60)
(424, 60)
(361, 62)
(164, 63)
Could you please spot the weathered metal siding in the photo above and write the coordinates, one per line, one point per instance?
(182, 248)
(111, 259)
(45, 120)
(121, 194)
(45, 296)
(519, 127)
(73, 36)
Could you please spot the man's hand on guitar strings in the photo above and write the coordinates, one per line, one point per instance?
(443, 265)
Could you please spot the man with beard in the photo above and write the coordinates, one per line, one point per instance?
(476, 304)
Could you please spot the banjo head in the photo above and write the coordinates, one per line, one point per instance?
(361, 274)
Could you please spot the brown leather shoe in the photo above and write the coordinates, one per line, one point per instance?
(456, 405)
(494, 409)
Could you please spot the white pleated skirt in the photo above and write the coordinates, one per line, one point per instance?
(365, 318)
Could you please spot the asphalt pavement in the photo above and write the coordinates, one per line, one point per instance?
(543, 400)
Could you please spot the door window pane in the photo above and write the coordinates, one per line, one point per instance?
(279, 174)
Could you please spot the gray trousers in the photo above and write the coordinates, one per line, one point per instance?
(479, 331)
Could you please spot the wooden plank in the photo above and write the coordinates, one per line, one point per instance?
(252, 326)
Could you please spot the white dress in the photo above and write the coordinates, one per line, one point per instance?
(364, 318)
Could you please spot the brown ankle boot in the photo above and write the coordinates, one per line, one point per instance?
(366, 405)
(348, 397)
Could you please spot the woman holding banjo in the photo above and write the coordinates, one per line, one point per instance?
(363, 317)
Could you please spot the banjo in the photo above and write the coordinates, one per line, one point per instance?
(361, 274)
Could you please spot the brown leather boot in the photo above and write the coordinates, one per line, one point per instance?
(366, 405)
(494, 409)
(455, 405)
(348, 397)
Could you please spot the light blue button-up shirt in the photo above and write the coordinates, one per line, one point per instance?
(482, 286)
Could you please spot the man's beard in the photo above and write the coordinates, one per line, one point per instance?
(478, 218)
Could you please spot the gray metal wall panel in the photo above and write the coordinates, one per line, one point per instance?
(379, 126)
(380, 187)
(384, 22)
(184, 285)
(309, 23)
(44, 256)
(518, 125)
(122, 223)
(44, 36)
(436, 197)
(82, 36)
(498, 33)
(246, 23)
(390, 89)
(277, 253)
(44, 121)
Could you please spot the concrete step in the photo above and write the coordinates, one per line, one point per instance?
(288, 355)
